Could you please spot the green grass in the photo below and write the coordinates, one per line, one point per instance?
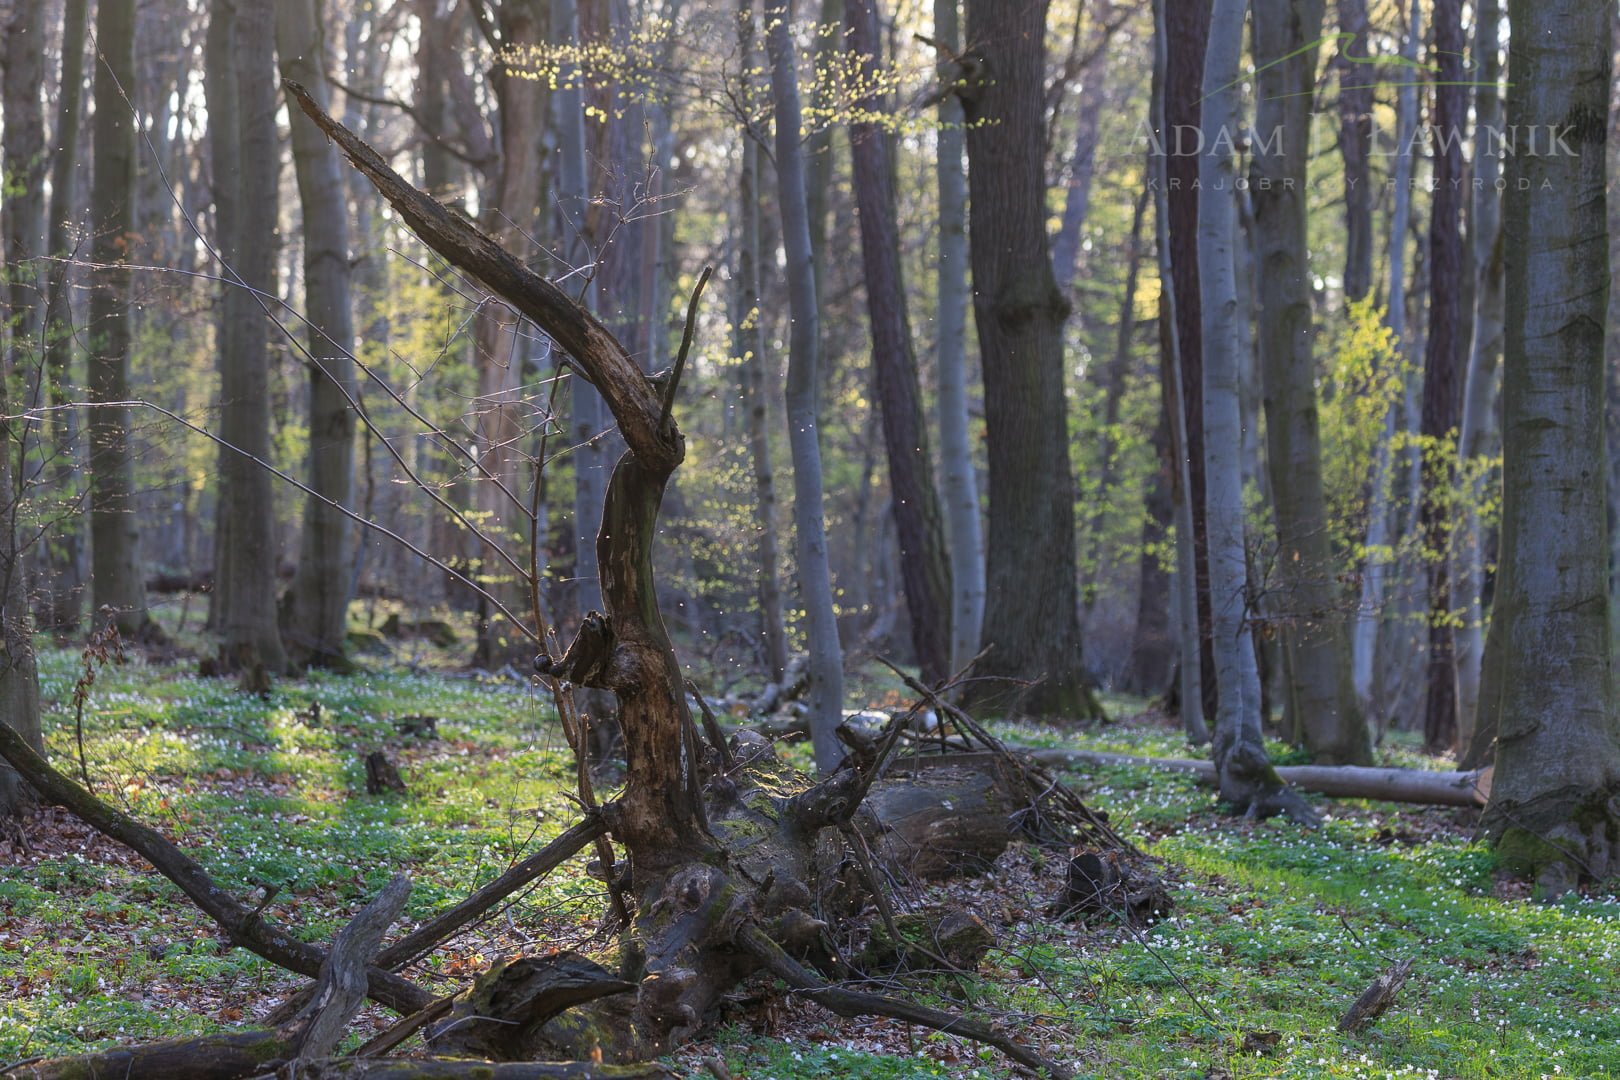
(1275, 929)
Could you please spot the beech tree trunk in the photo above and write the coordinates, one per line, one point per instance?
(509, 202)
(64, 551)
(1442, 397)
(22, 163)
(1031, 620)
(115, 538)
(924, 557)
(1186, 39)
(1479, 439)
(1190, 644)
(1243, 770)
(316, 607)
(750, 347)
(1371, 626)
(1356, 78)
(246, 548)
(826, 690)
(1555, 805)
(961, 482)
(1320, 695)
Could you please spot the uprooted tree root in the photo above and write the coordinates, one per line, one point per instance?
(734, 864)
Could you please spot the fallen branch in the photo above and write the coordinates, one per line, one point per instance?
(1340, 781)
(853, 1003)
(342, 987)
(244, 927)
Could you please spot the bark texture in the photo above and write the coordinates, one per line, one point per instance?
(1356, 77)
(1031, 621)
(1442, 368)
(249, 635)
(116, 585)
(1319, 696)
(925, 568)
(1555, 805)
(316, 607)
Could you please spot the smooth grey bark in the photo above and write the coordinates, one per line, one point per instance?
(1356, 79)
(826, 675)
(22, 161)
(316, 607)
(116, 582)
(1320, 696)
(64, 550)
(225, 164)
(925, 568)
(1371, 624)
(1031, 621)
(958, 477)
(1555, 802)
(1478, 438)
(1173, 392)
(749, 321)
(588, 419)
(248, 630)
(1244, 773)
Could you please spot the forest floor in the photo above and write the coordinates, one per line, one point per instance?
(1274, 931)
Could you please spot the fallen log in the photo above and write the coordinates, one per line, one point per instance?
(1423, 786)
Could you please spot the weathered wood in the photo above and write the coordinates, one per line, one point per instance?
(1420, 786)
(1377, 998)
(515, 995)
(213, 1057)
(341, 989)
(942, 822)
(431, 1069)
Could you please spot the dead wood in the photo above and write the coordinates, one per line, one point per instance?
(213, 1057)
(1420, 786)
(242, 926)
(382, 775)
(1377, 998)
(341, 988)
(441, 1069)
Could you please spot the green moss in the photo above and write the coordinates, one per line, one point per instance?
(1524, 854)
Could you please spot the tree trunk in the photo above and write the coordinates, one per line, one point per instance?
(1031, 620)
(115, 538)
(588, 420)
(1356, 75)
(1555, 805)
(1320, 695)
(924, 558)
(961, 482)
(64, 550)
(750, 348)
(316, 615)
(509, 202)
(1082, 163)
(1186, 38)
(249, 634)
(1245, 776)
(1477, 441)
(22, 163)
(1441, 389)
(1189, 693)
(804, 358)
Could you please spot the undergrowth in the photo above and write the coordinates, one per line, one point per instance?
(1274, 932)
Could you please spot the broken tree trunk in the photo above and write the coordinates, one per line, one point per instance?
(1340, 781)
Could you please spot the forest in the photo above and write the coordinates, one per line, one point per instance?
(857, 538)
